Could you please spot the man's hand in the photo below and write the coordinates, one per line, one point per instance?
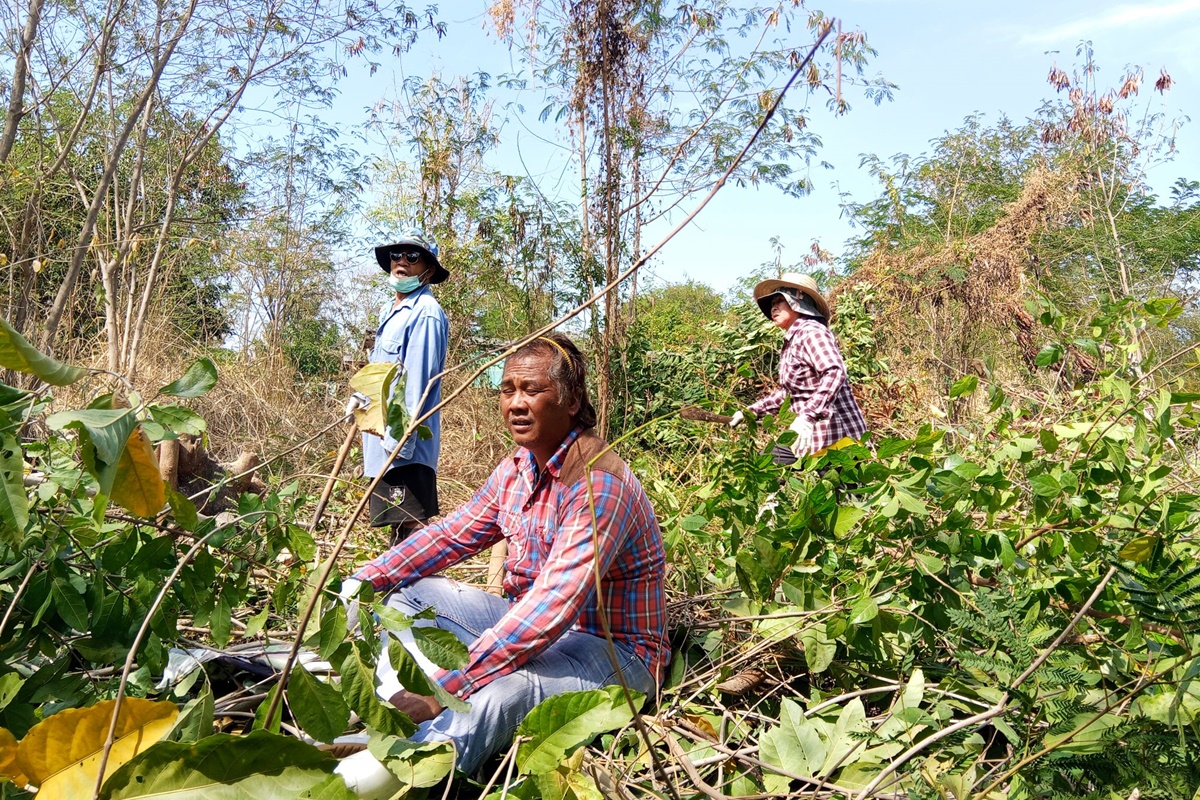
(357, 400)
(804, 436)
(418, 707)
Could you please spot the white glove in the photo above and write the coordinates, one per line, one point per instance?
(347, 596)
(737, 419)
(357, 400)
(804, 436)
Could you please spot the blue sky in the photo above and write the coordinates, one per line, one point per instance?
(949, 59)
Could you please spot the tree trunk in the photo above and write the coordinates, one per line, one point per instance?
(83, 243)
(16, 100)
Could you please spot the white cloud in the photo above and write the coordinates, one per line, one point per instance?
(1119, 17)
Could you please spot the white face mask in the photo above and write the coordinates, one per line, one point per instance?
(404, 285)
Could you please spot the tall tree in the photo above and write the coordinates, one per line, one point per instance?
(659, 100)
(143, 90)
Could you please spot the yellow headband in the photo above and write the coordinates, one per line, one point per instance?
(560, 349)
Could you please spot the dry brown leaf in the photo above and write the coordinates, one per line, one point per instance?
(745, 681)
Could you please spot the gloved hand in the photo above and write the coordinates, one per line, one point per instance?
(804, 435)
(357, 400)
(738, 418)
(347, 595)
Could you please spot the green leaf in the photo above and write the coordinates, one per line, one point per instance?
(261, 723)
(1178, 398)
(301, 542)
(418, 765)
(332, 788)
(1049, 441)
(931, 563)
(1050, 354)
(196, 719)
(1139, 549)
(893, 447)
(1168, 307)
(221, 622)
(794, 745)
(911, 504)
(70, 605)
(847, 518)
(10, 684)
(693, 523)
(864, 610)
(108, 429)
(411, 677)
(441, 647)
(333, 629)
(818, 650)
(178, 419)
(395, 621)
(14, 502)
(200, 377)
(156, 554)
(397, 412)
(16, 353)
(258, 766)
(1045, 486)
(358, 690)
(964, 385)
(103, 434)
(559, 725)
(842, 742)
(257, 623)
(182, 509)
(317, 706)
(1091, 739)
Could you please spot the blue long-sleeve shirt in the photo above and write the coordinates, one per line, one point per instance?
(414, 334)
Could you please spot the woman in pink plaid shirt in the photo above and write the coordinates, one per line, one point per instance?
(811, 370)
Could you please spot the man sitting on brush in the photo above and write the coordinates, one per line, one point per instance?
(583, 542)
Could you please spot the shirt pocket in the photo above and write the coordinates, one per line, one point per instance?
(528, 543)
(387, 349)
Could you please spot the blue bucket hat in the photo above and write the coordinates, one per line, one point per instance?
(413, 237)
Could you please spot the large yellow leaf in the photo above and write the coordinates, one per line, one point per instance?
(61, 754)
(8, 760)
(375, 381)
(139, 486)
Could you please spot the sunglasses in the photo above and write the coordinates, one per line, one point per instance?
(411, 256)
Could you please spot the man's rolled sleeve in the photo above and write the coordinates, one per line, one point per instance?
(467, 531)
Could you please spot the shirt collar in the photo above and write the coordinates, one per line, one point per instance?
(526, 461)
(409, 300)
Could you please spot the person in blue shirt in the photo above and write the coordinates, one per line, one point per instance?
(413, 331)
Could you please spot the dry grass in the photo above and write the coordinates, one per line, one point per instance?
(264, 407)
(958, 308)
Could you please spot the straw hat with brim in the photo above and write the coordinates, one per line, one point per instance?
(764, 291)
(413, 237)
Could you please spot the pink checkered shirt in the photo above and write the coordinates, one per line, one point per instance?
(551, 547)
(812, 372)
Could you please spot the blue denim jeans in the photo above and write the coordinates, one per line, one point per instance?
(577, 661)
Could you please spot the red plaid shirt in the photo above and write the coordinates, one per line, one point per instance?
(550, 579)
(812, 372)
